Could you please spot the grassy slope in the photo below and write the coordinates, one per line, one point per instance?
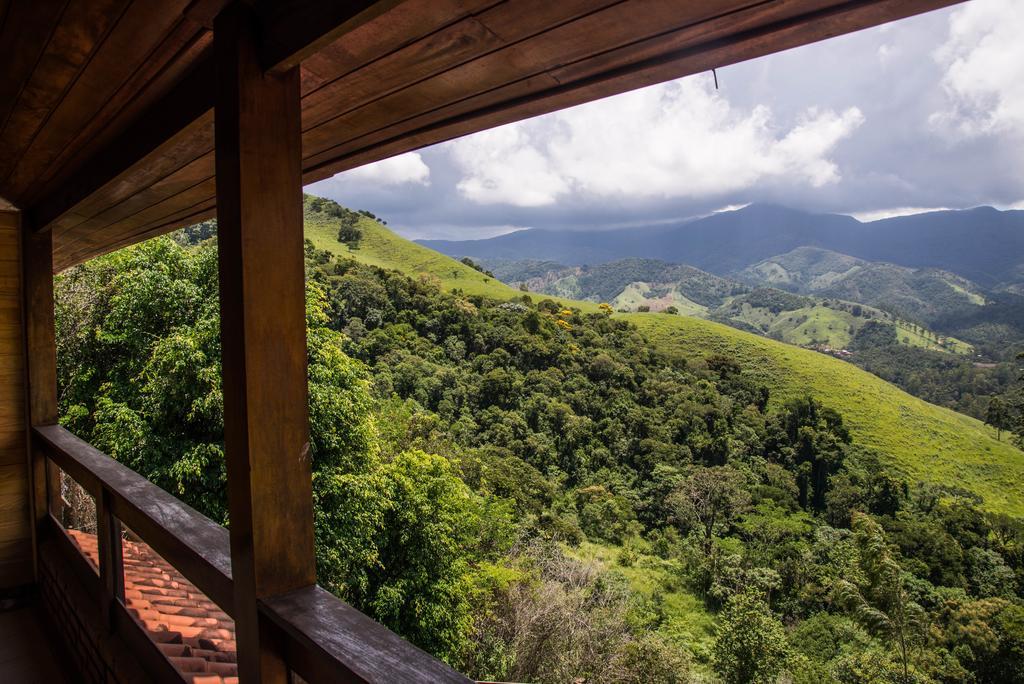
(381, 247)
(639, 293)
(927, 442)
(820, 324)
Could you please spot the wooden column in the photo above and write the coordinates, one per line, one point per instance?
(263, 335)
(41, 364)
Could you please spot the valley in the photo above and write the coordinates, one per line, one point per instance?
(929, 442)
(490, 459)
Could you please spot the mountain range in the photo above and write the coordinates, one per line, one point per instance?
(983, 245)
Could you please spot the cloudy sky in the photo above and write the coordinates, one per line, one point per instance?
(923, 113)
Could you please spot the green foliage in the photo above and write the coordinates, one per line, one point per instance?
(475, 266)
(347, 220)
(878, 600)
(752, 647)
(139, 373)
(939, 378)
(470, 446)
(874, 334)
(921, 441)
(138, 339)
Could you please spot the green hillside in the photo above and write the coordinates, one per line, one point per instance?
(925, 294)
(380, 247)
(927, 442)
(810, 322)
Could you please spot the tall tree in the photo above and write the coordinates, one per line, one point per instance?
(751, 647)
(878, 600)
(998, 416)
(708, 500)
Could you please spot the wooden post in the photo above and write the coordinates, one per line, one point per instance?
(41, 367)
(108, 538)
(263, 335)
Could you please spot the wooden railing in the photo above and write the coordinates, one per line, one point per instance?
(326, 640)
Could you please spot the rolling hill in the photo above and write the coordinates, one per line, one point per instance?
(926, 442)
(605, 282)
(832, 321)
(924, 294)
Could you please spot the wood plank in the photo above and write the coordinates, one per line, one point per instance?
(407, 23)
(129, 46)
(15, 562)
(263, 336)
(41, 375)
(174, 190)
(65, 258)
(453, 46)
(303, 27)
(181, 203)
(335, 642)
(171, 135)
(23, 37)
(82, 28)
(16, 538)
(188, 540)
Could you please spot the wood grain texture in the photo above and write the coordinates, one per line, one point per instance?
(331, 641)
(16, 529)
(40, 371)
(263, 336)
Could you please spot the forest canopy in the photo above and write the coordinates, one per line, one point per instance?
(474, 460)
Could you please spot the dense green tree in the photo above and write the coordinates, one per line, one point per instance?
(878, 600)
(997, 415)
(751, 647)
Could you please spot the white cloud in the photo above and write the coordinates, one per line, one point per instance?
(458, 232)
(886, 53)
(504, 166)
(983, 57)
(879, 214)
(676, 140)
(730, 207)
(405, 168)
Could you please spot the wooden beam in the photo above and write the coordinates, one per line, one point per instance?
(41, 368)
(292, 31)
(188, 540)
(263, 336)
(296, 29)
(186, 103)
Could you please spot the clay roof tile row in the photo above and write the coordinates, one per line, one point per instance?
(193, 633)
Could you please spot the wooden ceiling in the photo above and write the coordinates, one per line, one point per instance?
(106, 106)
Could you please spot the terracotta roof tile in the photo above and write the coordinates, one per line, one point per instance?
(195, 634)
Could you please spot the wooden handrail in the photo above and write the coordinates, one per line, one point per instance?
(198, 547)
(330, 641)
(325, 638)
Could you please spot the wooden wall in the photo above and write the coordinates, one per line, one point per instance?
(16, 566)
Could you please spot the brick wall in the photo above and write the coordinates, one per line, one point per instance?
(75, 619)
